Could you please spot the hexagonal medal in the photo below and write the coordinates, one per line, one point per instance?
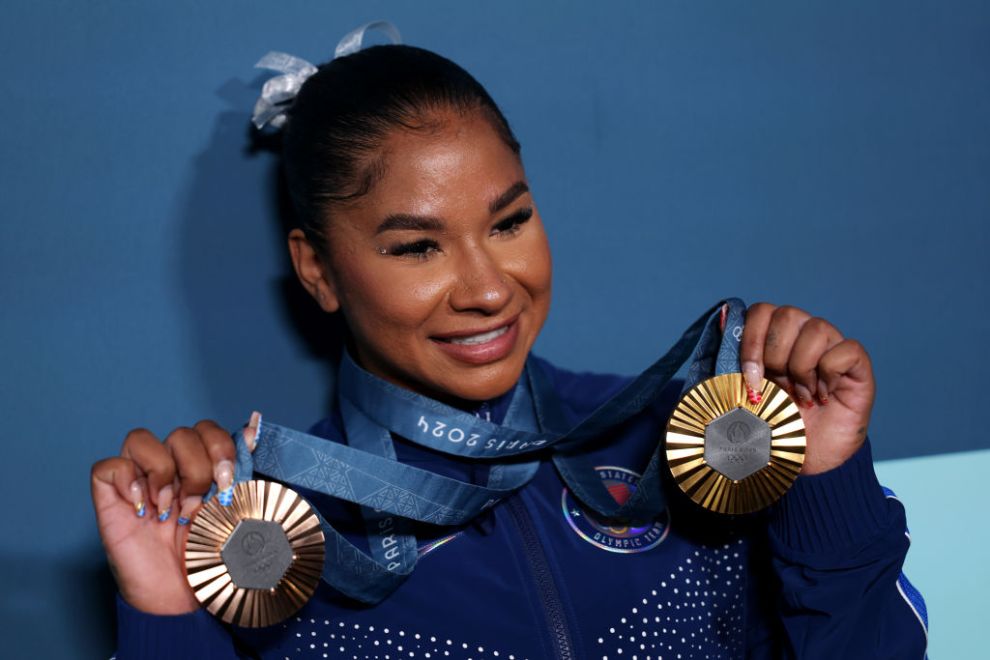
(730, 455)
(256, 562)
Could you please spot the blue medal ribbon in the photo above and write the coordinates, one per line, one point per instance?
(365, 470)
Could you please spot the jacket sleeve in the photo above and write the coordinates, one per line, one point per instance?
(150, 637)
(838, 542)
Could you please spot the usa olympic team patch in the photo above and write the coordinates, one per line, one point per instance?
(636, 537)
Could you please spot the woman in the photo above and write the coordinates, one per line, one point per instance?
(417, 225)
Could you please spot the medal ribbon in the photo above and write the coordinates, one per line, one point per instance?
(391, 494)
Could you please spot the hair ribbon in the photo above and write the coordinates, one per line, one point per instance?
(278, 93)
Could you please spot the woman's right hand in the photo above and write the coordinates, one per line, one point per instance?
(144, 500)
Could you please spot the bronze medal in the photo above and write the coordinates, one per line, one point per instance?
(256, 562)
(732, 456)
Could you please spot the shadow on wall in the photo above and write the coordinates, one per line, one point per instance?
(255, 333)
(83, 584)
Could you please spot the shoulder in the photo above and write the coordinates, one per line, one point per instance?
(581, 392)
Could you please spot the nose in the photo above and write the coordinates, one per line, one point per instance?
(482, 285)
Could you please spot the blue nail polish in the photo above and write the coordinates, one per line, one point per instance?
(163, 516)
(139, 509)
(226, 496)
(183, 520)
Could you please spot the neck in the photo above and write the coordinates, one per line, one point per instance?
(446, 398)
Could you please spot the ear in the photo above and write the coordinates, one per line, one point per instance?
(315, 277)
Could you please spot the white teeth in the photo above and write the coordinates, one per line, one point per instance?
(482, 338)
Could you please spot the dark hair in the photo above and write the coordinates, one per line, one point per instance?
(343, 111)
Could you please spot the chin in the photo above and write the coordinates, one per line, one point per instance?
(481, 383)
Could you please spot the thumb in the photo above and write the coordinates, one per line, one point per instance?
(115, 480)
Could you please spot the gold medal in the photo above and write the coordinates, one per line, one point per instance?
(256, 562)
(732, 456)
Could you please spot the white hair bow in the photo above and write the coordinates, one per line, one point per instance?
(279, 92)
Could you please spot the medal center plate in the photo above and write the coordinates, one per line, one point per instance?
(257, 554)
(737, 444)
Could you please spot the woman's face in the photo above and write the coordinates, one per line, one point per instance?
(442, 271)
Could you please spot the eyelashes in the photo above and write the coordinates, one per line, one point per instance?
(418, 248)
(423, 248)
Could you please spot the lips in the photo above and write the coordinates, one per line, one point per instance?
(480, 346)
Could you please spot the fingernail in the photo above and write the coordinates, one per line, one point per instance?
(189, 505)
(164, 503)
(251, 432)
(137, 498)
(822, 393)
(753, 376)
(223, 474)
(803, 396)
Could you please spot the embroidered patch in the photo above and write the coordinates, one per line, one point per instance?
(638, 537)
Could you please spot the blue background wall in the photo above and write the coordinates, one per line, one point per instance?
(833, 155)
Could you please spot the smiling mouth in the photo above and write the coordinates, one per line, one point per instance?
(484, 347)
(481, 338)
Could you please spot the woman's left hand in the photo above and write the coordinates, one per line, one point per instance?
(829, 376)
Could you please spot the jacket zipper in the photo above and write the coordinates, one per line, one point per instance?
(545, 585)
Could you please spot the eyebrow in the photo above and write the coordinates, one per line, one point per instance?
(406, 221)
(410, 222)
(515, 190)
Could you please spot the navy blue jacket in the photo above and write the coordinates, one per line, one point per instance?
(817, 576)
